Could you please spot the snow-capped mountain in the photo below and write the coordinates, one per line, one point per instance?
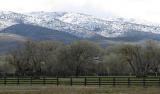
(10, 18)
(16, 28)
(107, 28)
(77, 24)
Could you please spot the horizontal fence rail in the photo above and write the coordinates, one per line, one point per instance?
(85, 81)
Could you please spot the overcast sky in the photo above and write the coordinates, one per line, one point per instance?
(140, 9)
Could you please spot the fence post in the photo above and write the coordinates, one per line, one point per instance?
(18, 80)
(31, 80)
(44, 80)
(159, 81)
(99, 81)
(129, 82)
(144, 82)
(57, 81)
(85, 81)
(5, 80)
(114, 81)
(71, 82)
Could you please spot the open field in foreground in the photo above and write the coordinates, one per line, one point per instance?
(77, 90)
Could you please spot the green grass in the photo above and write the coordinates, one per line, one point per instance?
(36, 89)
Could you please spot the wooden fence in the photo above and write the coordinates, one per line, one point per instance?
(85, 81)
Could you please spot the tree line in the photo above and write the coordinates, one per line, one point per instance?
(82, 58)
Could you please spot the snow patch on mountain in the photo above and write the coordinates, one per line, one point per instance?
(5, 24)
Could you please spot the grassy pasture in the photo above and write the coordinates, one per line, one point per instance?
(78, 86)
(36, 89)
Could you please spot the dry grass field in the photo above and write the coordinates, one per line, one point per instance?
(77, 90)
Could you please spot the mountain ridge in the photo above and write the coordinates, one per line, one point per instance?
(77, 24)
